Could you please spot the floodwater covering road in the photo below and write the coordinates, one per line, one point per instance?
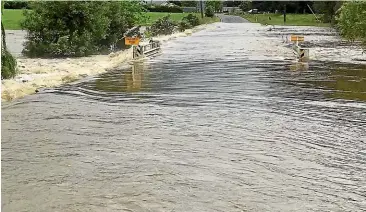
(223, 120)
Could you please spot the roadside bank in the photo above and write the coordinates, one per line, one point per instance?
(34, 74)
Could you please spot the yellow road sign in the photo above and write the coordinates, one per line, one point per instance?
(297, 38)
(132, 41)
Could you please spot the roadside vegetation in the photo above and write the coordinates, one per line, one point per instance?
(69, 29)
(351, 21)
(78, 29)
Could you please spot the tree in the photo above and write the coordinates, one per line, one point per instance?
(232, 3)
(291, 6)
(245, 5)
(352, 22)
(209, 12)
(8, 62)
(328, 9)
(216, 5)
(189, 3)
(77, 28)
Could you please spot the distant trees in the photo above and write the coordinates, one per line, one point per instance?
(16, 5)
(184, 3)
(231, 3)
(215, 4)
(328, 9)
(291, 6)
(189, 3)
(245, 5)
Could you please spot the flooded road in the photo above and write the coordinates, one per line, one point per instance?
(223, 120)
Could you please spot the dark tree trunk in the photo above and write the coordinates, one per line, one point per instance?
(3, 36)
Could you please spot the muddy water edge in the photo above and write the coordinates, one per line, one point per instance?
(223, 120)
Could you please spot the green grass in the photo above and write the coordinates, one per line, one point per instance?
(291, 19)
(11, 18)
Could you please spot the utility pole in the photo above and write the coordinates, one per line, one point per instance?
(201, 5)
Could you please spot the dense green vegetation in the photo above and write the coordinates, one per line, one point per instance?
(352, 21)
(77, 28)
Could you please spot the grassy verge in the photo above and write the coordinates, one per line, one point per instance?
(12, 18)
(176, 17)
(291, 19)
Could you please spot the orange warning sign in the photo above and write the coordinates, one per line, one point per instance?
(132, 41)
(297, 38)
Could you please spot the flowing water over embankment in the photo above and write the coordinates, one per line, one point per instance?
(35, 74)
(223, 120)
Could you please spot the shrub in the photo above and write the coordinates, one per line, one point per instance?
(123, 16)
(209, 12)
(64, 28)
(351, 21)
(192, 20)
(8, 64)
(163, 26)
(183, 25)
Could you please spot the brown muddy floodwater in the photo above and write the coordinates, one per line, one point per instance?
(212, 124)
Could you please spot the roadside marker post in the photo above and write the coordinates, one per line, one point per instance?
(302, 53)
(153, 47)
